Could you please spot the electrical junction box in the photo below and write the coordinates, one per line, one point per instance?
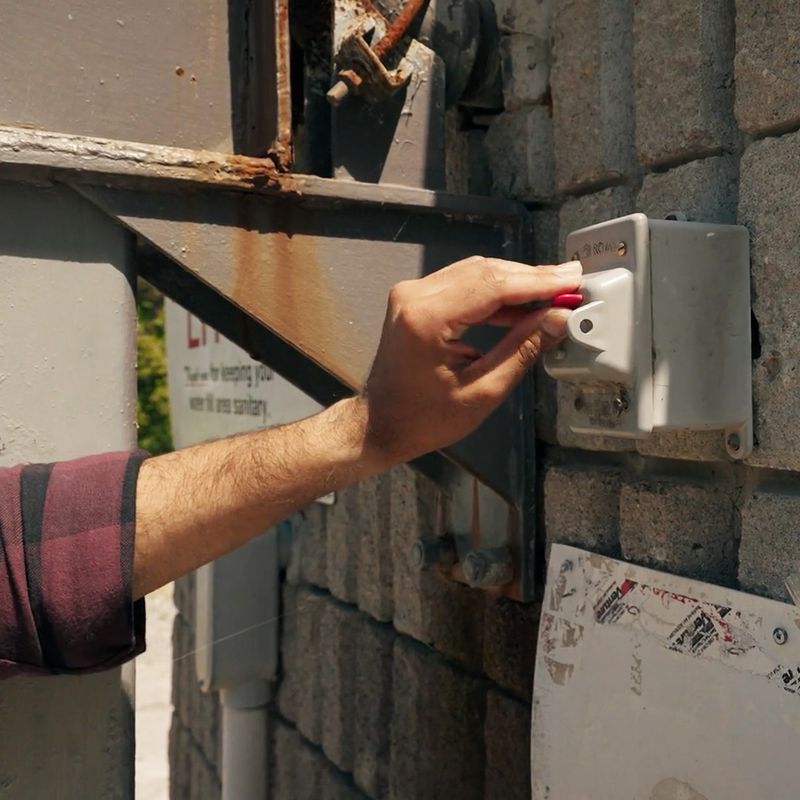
(662, 339)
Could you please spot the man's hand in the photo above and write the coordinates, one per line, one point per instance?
(427, 388)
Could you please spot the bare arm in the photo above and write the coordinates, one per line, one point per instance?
(426, 390)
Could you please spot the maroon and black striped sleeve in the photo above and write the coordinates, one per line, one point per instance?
(66, 566)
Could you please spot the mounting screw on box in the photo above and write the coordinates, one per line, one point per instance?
(662, 340)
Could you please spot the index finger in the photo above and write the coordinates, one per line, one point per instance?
(471, 291)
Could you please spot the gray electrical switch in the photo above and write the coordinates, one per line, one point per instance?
(662, 340)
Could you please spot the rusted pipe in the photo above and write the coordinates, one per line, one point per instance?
(398, 28)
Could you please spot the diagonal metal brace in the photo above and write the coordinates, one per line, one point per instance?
(296, 270)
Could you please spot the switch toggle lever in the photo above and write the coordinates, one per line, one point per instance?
(571, 300)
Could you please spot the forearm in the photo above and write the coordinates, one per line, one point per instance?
(197, 504)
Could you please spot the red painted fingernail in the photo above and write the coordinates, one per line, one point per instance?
(567, 300)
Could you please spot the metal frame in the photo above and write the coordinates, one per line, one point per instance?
(296, 269)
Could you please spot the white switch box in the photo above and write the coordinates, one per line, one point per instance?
(662, 339)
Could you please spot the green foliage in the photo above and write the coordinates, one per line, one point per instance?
(152, 413)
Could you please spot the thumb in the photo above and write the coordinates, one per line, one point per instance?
(503, 366)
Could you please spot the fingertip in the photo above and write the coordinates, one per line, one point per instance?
(569, 269)
(554, 322)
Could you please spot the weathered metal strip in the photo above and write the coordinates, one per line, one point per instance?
(27, 154)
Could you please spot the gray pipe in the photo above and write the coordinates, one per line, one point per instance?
(245, 739)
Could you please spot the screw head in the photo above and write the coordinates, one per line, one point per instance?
(622, 249)
(567, 566)
(734, 442)
(576, 256)
(621, 403)
(418, 554)
(780, 636)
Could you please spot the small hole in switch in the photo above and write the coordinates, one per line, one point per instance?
(586, 325)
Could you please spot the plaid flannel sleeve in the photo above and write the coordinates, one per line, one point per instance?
(66, 566)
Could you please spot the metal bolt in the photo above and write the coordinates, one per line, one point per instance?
(338, 93)
(576, 256)
(566, 566)
(486, 568)
(621, 403)
(560, 354)
(622, 248)
(780, 636)
(734, 442)
(428, 551)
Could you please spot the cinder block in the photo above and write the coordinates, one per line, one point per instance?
(509, 649)
(692, 445)
(684, 529)
(375, 570)
(310, 765)
(373, 706)
(524, 50)
(770, 546)
(456, 153)
(205, 783)
(767, 68)
(289, 686)
(206, 727)
(589, 209)
(309, 558)
(300, 692)
(179, 766)
(581, 508)
(337, 659)
(343, 542)
(286, 743)
(184, 596)
(591, 80)
(767, 205)
(508, 761)
(358, 562)
(519, 145)
(439, 612)
(707, 190)
(437, 728)
(335, 785)
(184, 684)
(683, 76)
(300, 771)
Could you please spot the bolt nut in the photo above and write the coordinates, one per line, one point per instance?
(780, 636)
(483, 569)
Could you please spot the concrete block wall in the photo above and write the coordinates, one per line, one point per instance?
(398, 684)
(194, 737)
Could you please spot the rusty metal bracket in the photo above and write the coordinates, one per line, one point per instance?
(364, 73)
(296, 270)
